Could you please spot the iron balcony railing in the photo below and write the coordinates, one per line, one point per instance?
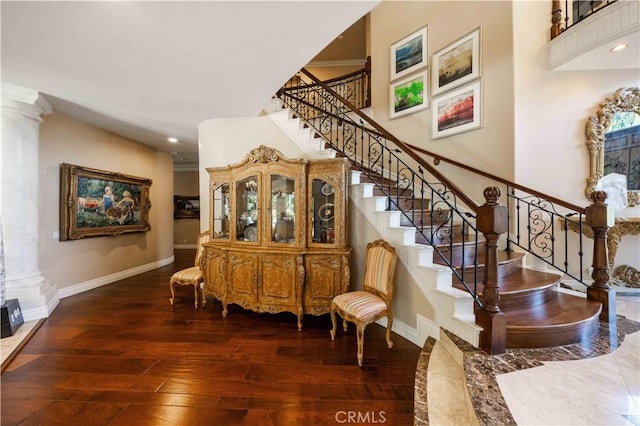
(565, 14)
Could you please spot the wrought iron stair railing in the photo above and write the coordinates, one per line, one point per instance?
(401, 173)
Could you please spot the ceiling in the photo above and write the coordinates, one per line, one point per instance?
(149, 70)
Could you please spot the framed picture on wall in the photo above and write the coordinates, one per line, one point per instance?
(186, 207)
(96, 202)
(457, 63)
(457, 111)
(409, 95)
(409, 54)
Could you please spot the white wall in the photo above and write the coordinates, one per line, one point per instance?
(551, 111)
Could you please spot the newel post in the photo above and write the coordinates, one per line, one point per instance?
(492, 221)
(599, 216)
(556, 19)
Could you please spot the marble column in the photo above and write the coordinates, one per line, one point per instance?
(19, 192)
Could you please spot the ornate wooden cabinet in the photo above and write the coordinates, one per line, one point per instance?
(278, 234)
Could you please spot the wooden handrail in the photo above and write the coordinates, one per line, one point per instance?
(409, 151)
(531, 191)
(365, 70)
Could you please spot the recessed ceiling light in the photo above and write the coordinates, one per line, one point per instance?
(619, 47)
(172, 140)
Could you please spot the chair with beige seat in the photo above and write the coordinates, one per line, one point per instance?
(193, 275)
(373, 302)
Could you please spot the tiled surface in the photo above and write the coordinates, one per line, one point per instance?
(595, 382)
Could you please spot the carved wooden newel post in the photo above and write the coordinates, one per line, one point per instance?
(492, 221)
(556, 19)
(600, 218)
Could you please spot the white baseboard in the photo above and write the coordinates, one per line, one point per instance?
(417, 336)
(108, 279)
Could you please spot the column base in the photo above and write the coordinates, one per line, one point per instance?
(493, 337)
(37, 296)
(606, 296)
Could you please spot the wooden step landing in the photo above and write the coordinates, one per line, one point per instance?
(563, 320)
(524, 288)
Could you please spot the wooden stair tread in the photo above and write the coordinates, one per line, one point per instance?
(561, 320)
(504, 257)
(521, 281)
(561, 310)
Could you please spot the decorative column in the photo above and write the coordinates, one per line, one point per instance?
(19, 192)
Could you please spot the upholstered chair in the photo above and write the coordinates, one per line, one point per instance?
(373, 302)
(193, 275)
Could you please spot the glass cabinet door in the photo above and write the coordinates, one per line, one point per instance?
(283, 205)
(220, 212)
(247, 204)
(323, 222)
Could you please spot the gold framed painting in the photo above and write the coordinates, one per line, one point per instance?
(95, 202)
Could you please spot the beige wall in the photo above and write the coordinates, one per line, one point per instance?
(489, 148)
(327, 73)
(185, 231)
(551, 111)
(69, 263)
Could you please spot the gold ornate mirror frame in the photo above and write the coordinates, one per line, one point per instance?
(626, 99)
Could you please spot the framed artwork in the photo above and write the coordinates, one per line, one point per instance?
(409, 95)
(457, 64)
(457, 111)
(409, 54)
(96, 202)
(186, 207)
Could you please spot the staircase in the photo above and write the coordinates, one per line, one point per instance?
(538, 312)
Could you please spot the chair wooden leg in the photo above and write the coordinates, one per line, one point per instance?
(389, 324)
(344, 325)
(203, 298)
(333, 322)
(360, 334)
(173, 293)
(195, 295)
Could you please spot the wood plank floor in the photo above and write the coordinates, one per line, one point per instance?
(121, 355)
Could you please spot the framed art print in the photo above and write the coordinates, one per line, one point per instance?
(409, 95)
(457, 111)
(97, 202)
(457, 64)
(409, 54)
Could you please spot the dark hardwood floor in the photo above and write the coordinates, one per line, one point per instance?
(121, 355)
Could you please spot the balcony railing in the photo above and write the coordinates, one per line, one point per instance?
(568, 13)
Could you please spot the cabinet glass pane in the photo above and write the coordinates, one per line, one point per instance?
(221, 212)
(283, 203)
(247, 209)
(322, 200)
